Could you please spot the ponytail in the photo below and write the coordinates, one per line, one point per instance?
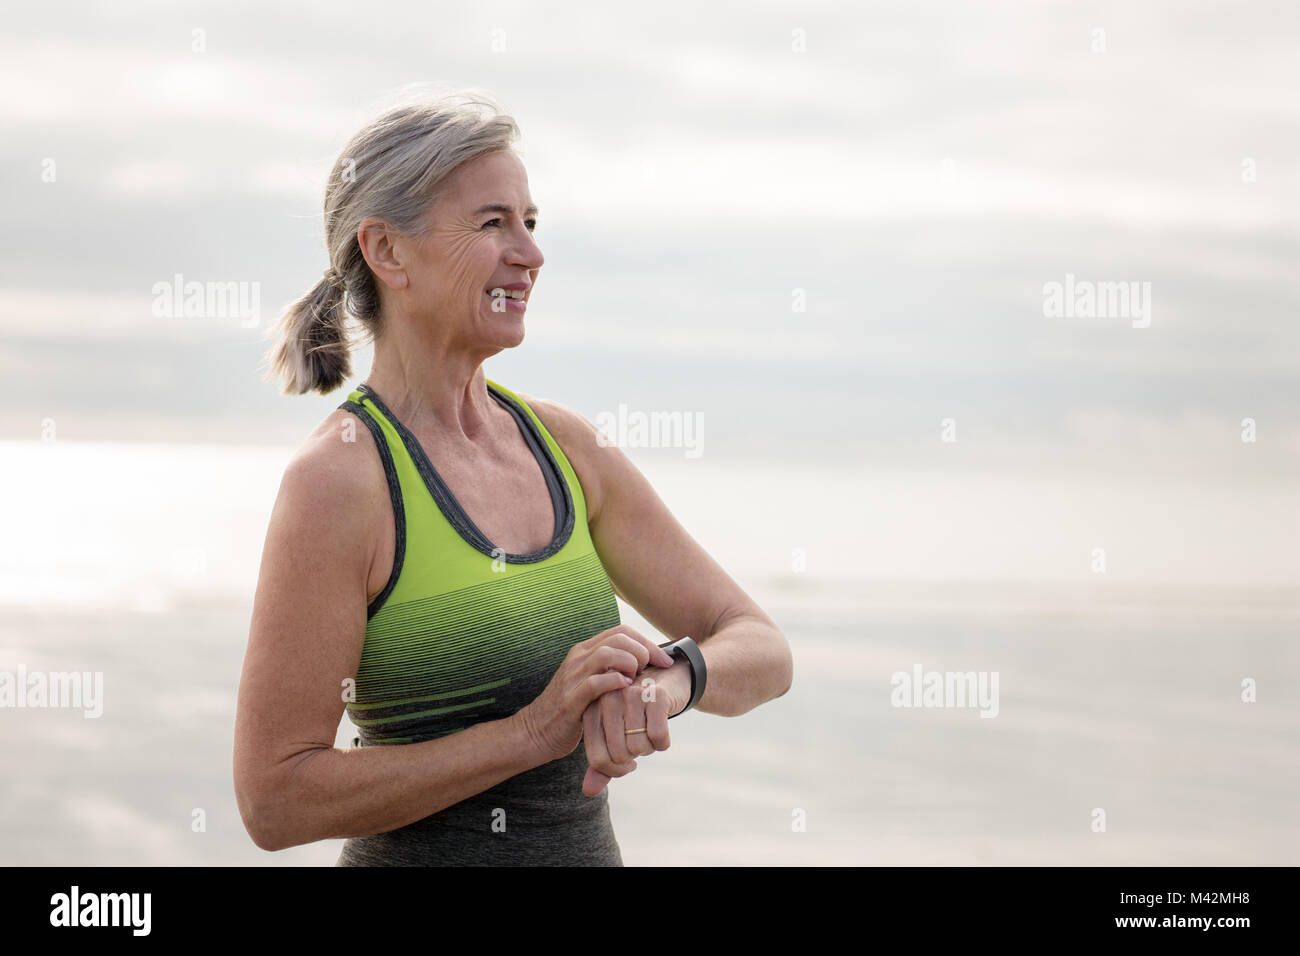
(313, 351)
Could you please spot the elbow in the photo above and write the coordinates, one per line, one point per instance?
(260, 826)
(785, 668)
(264, 835)
(787, 681)
(780, 659)
(264, 839)
(256, 809)
(265, 831)
(275, 804)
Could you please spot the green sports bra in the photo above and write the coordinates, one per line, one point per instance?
(465, 632)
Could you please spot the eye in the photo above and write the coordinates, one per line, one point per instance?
(530, 223)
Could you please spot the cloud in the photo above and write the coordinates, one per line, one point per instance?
(916, 176)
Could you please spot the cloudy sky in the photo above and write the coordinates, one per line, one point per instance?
(918, 172)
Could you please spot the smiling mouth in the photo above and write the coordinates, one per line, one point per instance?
(508, 300)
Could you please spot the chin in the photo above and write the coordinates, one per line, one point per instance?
(508, 338)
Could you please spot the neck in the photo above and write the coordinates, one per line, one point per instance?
(434, 387)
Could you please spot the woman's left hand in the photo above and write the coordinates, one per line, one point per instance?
(655, 695)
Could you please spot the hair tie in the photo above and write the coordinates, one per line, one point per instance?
(334, 279)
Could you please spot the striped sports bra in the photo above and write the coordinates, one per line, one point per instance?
(465, 632)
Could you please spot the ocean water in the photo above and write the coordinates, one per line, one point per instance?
(1114, 695)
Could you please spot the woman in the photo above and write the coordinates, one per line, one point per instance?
(421, 572)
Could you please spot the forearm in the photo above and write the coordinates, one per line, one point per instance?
(330, 793)
(748, 661)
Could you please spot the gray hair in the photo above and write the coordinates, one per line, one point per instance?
(390, 169)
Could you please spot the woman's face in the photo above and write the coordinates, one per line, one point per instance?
(481, 240)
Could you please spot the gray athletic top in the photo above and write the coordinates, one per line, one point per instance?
(544, 825)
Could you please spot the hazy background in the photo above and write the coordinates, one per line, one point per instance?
(911, 175)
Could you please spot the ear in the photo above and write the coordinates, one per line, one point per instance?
(380, 246)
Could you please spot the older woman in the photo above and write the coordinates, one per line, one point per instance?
(444, 553)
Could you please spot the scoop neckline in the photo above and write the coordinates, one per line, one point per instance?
(454, 511)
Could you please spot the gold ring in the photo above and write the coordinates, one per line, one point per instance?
(641, 731)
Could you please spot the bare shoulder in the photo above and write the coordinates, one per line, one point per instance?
(340, 453)
(337, 472)
(581, 441)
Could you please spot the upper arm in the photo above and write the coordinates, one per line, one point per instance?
(652, 561)
(309, 612)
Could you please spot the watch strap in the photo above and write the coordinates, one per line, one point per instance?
(690, 651)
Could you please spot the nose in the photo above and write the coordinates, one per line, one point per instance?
(525, 252)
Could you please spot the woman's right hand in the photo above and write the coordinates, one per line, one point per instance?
(609, 661)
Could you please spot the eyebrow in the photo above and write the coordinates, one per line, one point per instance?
(503, 207)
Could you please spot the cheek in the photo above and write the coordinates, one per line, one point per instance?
(469, 267)
(459, 256)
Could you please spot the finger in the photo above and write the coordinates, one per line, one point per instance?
(622, 659)
(592, 688)
(658, 655)
(594, 782)
(612, 710)
(634, 717)
(628, 643)
(593, 735)
(656, 721)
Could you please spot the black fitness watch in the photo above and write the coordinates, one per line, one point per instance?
(690, 651)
